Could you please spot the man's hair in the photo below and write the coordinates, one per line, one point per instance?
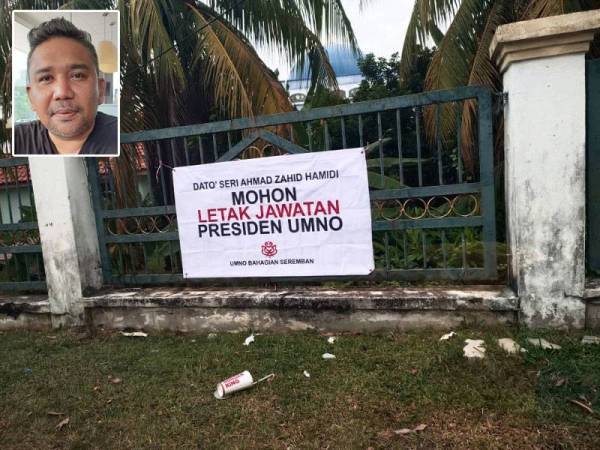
(59, 27)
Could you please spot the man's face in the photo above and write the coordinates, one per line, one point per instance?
(64, 89)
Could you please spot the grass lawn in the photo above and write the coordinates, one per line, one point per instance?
(377, 384)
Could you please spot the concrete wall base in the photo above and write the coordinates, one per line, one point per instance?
(25, 313)
(592, 311)
(360, 310)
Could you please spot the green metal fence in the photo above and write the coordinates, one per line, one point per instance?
(593, 166)
(433, 212)
(21, 262)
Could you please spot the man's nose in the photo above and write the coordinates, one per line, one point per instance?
(62, 89)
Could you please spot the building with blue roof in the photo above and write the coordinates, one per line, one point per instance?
(345, 66)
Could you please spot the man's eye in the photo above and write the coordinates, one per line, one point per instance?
(78, 76)
(45, 79)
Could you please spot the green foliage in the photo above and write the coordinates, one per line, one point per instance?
(382, 76)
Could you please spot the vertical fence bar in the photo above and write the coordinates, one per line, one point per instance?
(486, 167)
(343, 124)
(173, 152)
(418, 131)
(327, 137)
(438, 139)
(214, 142)
(405, 249)
(97, 204)
(360, 130)
(387, 251)
(459, 141)
(464, 248)
(229, 140)
(424, 243)
(7, 192)
(399, 141)
(18, 189)
(162, 175)
(310, 136)
(186, 151)
(31, 198)
(136, 165)
(444, 253)
(380, 137)
(145, 148)
(201, 149)
(111, 185)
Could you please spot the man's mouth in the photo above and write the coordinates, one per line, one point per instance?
(64, 113)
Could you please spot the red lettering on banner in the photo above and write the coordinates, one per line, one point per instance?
(307, 208)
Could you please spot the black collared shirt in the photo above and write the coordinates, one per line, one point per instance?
(32, 138)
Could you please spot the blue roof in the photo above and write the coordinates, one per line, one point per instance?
(343, 61)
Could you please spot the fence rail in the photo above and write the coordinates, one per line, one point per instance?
(433, 211)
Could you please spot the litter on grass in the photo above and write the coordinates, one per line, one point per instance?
(249, 340)
(134, 334)
(475, 348)
(510, 346)
(331, 340)
(543, 343)
(328, 356)
(236, 383)
(62, 424)
(587, 340)
(447, 336)
(211, 335)
(420, 427)
(306, 374)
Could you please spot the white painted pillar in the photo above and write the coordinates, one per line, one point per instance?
(67, 233)
(543, 67)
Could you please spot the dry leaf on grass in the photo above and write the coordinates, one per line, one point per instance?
(54, 413)
(115, 380)
(62, 424)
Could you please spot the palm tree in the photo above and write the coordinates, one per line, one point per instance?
(462, 54)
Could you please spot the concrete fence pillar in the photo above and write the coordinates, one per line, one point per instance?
(68, 234)
(543, 66)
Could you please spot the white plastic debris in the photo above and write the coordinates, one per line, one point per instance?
(331, 340)
(212, 335)
(447, 336)
(328, 356)
(306, 374)
(539, 342)
(587, 340)
(134, 334)
(510, 346)
(249, 340)
(475, 348)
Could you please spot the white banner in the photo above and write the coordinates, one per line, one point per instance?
(291, 215)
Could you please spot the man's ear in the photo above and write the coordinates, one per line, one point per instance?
(101, 90)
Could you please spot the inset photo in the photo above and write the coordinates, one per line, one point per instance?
(65, 83)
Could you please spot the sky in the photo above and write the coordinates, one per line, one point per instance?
(379, 29)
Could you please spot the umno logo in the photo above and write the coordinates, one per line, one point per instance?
(269, 249)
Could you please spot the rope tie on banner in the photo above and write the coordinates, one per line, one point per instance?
(160, 166)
